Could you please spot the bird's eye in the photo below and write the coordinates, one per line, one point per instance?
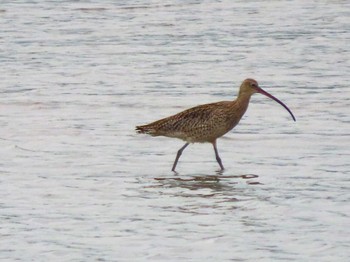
(253, 85)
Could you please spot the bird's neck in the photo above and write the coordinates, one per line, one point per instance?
(242, 102)
(237, 109)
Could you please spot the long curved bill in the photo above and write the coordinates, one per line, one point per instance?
(261, 91)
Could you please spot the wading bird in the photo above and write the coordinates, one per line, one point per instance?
(208, 122)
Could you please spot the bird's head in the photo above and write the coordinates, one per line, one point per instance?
(250, 87)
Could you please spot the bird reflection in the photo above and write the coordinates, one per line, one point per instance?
(217, 182)
(207, 192)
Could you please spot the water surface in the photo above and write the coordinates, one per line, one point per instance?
(78, 184)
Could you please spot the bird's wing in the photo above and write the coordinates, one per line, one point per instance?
(196, 117)
(200, 117)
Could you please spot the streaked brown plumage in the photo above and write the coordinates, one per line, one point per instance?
(206, 123)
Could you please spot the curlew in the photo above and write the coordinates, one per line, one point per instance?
(208, 122)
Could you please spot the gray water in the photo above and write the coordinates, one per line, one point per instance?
(78, 184)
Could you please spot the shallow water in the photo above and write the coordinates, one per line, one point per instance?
(78, 184)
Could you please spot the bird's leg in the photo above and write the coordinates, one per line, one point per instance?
(217, 155)
(178, 155)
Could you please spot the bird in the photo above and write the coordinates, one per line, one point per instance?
(206, 123)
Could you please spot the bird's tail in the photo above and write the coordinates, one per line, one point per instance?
(146, 129)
